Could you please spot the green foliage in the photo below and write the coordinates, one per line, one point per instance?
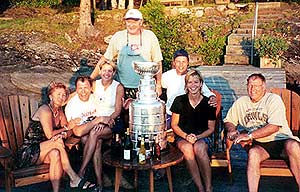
(184, 31)
(35, 3)
(166, 29)
(270, 46)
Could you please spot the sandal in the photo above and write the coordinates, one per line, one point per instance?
(98, 189)
(84, 185)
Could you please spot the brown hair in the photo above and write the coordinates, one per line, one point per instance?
(56, 85)
(192, 73)
(84, 78)
(256, 76)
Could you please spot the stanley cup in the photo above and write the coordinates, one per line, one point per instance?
(147, 112)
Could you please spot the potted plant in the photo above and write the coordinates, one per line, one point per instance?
(270, 49)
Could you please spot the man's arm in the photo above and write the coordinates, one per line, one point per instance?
(265, 131)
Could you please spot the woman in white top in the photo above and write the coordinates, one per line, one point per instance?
(110, 93)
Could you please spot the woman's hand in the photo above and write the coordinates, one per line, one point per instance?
(192, 138)
(73, 123)
(61, 136)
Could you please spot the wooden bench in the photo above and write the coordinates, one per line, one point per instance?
(15, 112)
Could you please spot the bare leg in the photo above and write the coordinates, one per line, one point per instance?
(58, 147)
(97, 160)
(188, 153)
(200, 150)
(90, 146)
(55, 169)
(292, 148)
(255, 156)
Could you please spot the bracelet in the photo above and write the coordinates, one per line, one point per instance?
(66, 127)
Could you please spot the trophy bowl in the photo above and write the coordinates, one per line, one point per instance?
(145, 68)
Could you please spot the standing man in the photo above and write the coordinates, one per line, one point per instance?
(267, 134)
(173, 81)
(132, 44)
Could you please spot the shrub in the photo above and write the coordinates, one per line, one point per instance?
(270, 46)
(184, 31)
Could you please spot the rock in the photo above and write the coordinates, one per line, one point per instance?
(221, 8)
(231, 6)
(184, 10)
(36, 82)
(199, 13)
(230, 12)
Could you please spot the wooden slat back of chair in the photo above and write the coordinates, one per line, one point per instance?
(219, 102)
(14, 118)
(291, 101)
(217, 137)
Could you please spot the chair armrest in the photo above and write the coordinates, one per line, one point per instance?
(229, 143)
(5, 153)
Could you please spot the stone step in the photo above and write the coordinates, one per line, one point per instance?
(270, 5)
(269, 16)
(230, 59)
(246, 25)
(247, 31)
(237, 49)
(259, 20)
(239, 39)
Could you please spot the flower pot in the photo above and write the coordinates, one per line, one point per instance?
(266, 62)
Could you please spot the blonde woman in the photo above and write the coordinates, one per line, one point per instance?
(193, 121)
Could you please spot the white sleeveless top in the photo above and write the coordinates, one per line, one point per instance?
(107, 97)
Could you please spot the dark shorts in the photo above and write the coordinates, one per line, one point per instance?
(274, 148)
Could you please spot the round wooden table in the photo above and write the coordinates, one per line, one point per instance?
(169, 157)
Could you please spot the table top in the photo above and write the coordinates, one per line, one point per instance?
(169, 157)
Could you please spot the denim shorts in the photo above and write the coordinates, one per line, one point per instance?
(206, 140)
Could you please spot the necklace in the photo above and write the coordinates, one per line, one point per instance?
(55, 114)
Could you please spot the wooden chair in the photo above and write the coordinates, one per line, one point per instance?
(271, 167)
(15, 112)
(220, 155)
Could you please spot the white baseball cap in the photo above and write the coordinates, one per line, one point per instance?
(133, 14)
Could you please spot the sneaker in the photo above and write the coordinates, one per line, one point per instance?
(106, 181)
(125, 184)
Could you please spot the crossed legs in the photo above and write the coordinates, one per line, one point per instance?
(198, 163)
(92, 149)
(53, 152)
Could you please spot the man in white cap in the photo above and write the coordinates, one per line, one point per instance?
(132, 44)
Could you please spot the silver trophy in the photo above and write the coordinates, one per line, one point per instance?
(147, 113)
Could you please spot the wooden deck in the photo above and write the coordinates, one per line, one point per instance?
(182, 182)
